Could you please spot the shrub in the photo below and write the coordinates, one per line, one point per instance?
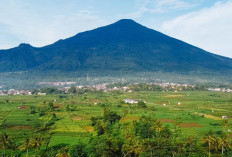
(78, 150)
(141, 104)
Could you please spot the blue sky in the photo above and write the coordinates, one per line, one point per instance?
(203, 23)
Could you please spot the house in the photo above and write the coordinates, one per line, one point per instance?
(224, 117)
(131, 101)
(115, 88)
(41, 93)
(125, 88)
(2, 92)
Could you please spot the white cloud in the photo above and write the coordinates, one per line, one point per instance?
(170, 5)
(141, 9)
(210, 29)
(160, 6)
(22, 23)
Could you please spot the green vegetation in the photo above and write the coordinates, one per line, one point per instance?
(86, 123)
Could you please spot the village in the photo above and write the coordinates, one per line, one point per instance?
(64, 87)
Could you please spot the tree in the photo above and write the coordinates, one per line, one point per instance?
(104, 146)
(141, 104)
(224, 143)
(63, 152)
(143, 127)
(225, 123)
(5, 138)
(100, 128)
(78, 150)
(25, 146)
(191, 146)
(47, 141)
(110, 116)
(209, 140)
(50, 90)
(54, 117)
(132, 146)
(67, 108)
(36, 143)
(12, 146)
(158, 126)
(72, 90)
(51, 105)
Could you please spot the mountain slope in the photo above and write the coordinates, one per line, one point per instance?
(122, 46)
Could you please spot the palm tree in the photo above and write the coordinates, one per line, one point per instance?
(209, 139)
(4, 140)
(25, 146)
(63, 152)
(224, 143)
(47, 142)
(189, 144)
(36, 143)
(225, 123)
(12, 146)
(159, 126)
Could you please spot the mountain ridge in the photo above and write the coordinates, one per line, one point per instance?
(122, 46)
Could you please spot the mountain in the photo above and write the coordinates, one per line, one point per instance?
(122, 46)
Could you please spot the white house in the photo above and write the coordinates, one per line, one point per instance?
(41, 93)
(131, 101)
(224, 117)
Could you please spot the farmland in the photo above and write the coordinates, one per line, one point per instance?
(66, 119)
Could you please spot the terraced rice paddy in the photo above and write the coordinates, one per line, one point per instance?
(195, 113)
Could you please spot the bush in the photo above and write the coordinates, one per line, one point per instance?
(119, 105)
(72, 90)
(54, 118)
(41, 113)
(32, 111)
(71, 108)
(51, 105)
(110, 116)
(141, 104)
(101, 105)
(94, 120)
(78, 150)
(50, 90)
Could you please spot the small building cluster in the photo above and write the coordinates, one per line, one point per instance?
(57, 83)
(15, 92)
(220, 90)
(173, 85)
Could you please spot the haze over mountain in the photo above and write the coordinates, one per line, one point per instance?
(122, 46)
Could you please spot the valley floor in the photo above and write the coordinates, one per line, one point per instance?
(65, 119)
